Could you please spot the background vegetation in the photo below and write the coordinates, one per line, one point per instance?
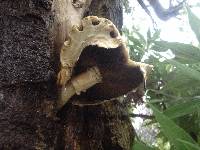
(173, 89)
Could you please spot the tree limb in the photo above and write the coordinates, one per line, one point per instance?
(165, 14)
(162, 13)
(142, 4)
(141, 116)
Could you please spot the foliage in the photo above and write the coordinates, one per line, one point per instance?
(127, 8)
(173, 91)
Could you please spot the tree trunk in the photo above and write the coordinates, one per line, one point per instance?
(32, 33)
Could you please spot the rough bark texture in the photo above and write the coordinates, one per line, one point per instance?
(101, 127)
(32, 32)
(111, 9)
(27, 70)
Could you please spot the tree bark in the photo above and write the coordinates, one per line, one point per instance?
(28, 63)
(32, 33)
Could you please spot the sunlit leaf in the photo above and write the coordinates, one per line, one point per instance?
(182, 109)
(184, 53)
(189, 145)
(156, 35)
(186, 70)
(141, 37)
(194, 23)
(127, 7)
(135, 41)
(148, 37)
(171, 130)
(178, 82)
(152, 101)
(149, 34)
(140, 146)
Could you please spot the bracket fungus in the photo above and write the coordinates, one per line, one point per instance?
(95, 61)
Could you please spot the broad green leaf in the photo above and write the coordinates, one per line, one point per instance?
(177, 82)
(156, 35)
(182, 109)
(151, 38)
(152, 101)
(149, 34)
(135, 41)
(194, 23)
(125, 31)
(189, 145)
(140, 146)
(141, 37)
(171, 130)
(186, 70)
(148, 37)
(127, 7)
(184, 53)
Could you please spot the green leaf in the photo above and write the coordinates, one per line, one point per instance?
(140, 36)
(179, 85)
(194, 23)
(185, 53)
(149, 34)
(186, 70)
(171, 130)
(135, 41)
(182, 109)
(126, 6)
(156, 35)
(140, 146)
(176, 79)
(152, 101)
(189, 145)
(149, 38)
